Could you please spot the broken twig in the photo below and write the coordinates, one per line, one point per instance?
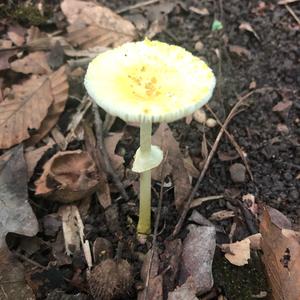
(207, 162)
(106, 161)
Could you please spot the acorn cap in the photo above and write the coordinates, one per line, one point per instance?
(149, 81)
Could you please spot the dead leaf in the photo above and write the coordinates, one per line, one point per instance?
(117, 161)
(249, 200)
(282, 106)
(59, 90)
(237, 253)
(155, 289)
(255, 241)
(281, 256)
(228, 156)
(189, 166)
(32, 157)
(222, 215)
(33, 63)
(182, 293)
(16, 116)
(246, 26)
(12, 278)
(197, 257)
(16, 214)
(16, 33)
(199, 11)
(68, 176)
(94, 25)
(156, 27)
(174, 164)
(240, 51)
(4, 58)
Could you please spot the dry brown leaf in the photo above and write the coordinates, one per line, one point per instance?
(190, 167)
(199, 11)
(255, 241)
(247, 26)
(32, 157)
(222, 215)
(4, 58)
(94, 25)
(33, 63)
(59, 89)
(249, 200)
(117, 161)
(281, 256)
(173, 165)
(16, 214)
(68, 176)
(16, 33)
(282, 106)
(12, 278)
(240, 51)
(28, 107)
(237, 253)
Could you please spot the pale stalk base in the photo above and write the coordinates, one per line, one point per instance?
(144, 225)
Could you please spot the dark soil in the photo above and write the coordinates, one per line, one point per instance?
(274, 157)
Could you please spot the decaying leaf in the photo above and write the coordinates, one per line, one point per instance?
(250, 203)
(32, 157)
(247, 26)
(43, 95)
(16, 34)
(281, 256)
(59, 90)
(117, 161)
(68, 176)
(222, 215)
(12, 278)
(197, 256)
(281, 106)
(173, 165)
(240, 51)
(17, 117)
(237, 253)
(33, 63)
(94, 25)
(16, 214)
(4, 58)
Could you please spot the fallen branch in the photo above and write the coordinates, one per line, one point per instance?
(207, 163)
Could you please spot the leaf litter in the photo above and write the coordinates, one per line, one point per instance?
(62, 159)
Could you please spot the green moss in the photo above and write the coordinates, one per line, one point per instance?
(29, 15)
(240, 283)
(24, 14)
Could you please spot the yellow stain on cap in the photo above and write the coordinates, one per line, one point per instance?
(149, 81)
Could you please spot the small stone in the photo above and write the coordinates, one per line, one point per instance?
(199, 116)
(294, 195)
(211, 123)
(238, 173)
(199, 46)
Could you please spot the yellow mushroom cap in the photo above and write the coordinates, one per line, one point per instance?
(149, 81)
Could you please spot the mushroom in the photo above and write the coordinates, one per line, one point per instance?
(146, 82)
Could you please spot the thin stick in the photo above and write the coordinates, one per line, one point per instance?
(233, 142)
(138, 5)
(292, 13)
(207, 162)
(106, 160)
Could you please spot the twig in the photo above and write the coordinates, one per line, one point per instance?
(199, 201)
(233, 142)
(161, 192)
(34, 263)
(107, 163)
(138, 5)
(292, 13)
(207, 162)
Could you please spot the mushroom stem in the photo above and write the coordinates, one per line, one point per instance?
(144, 225)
